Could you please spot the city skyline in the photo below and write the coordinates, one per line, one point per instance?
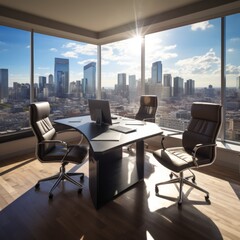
(177, 49)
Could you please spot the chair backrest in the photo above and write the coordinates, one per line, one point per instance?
(204, 126)
(148, 108)
(41, 126)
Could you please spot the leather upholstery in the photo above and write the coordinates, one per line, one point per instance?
(148, 108)
(203, 129)
(44, 130)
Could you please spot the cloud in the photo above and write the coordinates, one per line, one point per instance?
(53, 49)
(70, 54)
(235, 40)
(82, 49)
(202, 64)
(201, 26)
(86, 61)
(232, 69)
(230, 50)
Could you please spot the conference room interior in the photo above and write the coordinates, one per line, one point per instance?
(138, 213)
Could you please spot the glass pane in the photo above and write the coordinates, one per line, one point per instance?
(183, 66)
(121, 75)
(65, 74)
(14, 80)
(232, 117)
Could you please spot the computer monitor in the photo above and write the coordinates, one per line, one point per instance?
(100, 111)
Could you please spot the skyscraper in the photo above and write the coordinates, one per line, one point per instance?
(178, 87)
(132, 87)
(190, 87)
(89, 81)
(121, 87)
(42, 83)
(3, 83)
(157, 72)
(61, 75)
(167, 80)
(238, 83)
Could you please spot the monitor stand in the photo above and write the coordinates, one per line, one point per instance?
(98, 113)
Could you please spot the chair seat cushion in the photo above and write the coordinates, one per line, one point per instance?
(177, 159)
(76, 155)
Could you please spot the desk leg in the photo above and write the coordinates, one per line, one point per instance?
(140, 159)
(111, 174)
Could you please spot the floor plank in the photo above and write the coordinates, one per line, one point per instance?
(136, 214)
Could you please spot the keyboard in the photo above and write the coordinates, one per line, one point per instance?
(122, 129)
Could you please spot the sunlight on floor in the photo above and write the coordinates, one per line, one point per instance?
(149, 236)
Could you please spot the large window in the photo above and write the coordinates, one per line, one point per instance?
(232, 124)
(121, 74)
(14, 79)
(183, 66)
(65, 74)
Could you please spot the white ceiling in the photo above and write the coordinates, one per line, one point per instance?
(101, 21)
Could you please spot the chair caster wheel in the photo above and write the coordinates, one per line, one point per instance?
(156, 189)
(79, 190)
(207, 198)
(50, 196)
(37, 186)
(82, 178)
(193, 180)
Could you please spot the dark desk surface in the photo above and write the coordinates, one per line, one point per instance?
(90, 130)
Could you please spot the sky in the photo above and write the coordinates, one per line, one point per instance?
(190, 52)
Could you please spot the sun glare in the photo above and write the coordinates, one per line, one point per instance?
(135, 44)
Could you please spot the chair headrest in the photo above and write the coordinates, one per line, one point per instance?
(40, 110)
(148, 100)
(206, 111)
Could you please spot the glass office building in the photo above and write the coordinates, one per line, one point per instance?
(61, 73)
(89, 73)
(3, 84)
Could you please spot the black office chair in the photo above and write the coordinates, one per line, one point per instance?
(50, 149)
(147, 109)
(198, 146)
(146, 112)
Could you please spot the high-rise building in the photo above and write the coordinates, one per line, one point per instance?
(122, 79)
(42, 83)
(89, 80)
(157, 72)
(61, 75)
(167, 83)
(121, 87)
(3, 83)
(167, 80)
(238, 83)
(190, 87)
(50, 79)
(177, 87)
(132, 87)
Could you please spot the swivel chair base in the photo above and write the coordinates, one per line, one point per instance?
(62, 175)
(181, 180)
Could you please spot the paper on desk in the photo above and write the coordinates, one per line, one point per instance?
(109, 135)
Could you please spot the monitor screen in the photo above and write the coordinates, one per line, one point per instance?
(100, 111)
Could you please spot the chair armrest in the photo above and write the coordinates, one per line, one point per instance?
(168, 135)
(197, 147)
(72, 130)
(67, 130)
(55, 142)
(148, 119)
(129, 115)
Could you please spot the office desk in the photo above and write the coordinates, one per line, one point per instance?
(110, 170)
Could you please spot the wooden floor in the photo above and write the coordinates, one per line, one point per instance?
(136, 214)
